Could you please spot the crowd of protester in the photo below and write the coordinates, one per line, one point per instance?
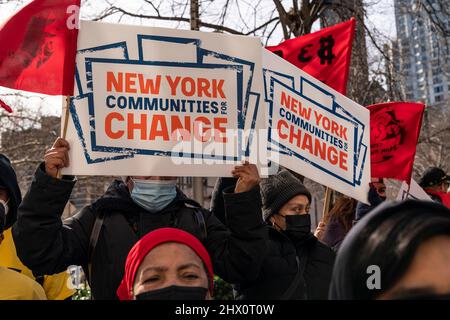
(144, 239)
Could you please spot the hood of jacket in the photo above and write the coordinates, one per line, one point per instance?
(8, 179)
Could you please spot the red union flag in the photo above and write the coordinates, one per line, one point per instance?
(324, 54)
(38, 47)
(394, 131)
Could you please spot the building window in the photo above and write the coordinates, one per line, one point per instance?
(438, 89)
(436, 80)
(438, 98)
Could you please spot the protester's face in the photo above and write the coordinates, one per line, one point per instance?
(154, 178)
(170, 264)
(428, 274)
(381, 188)
(4, 194)
(445, 186)
(296, 206)
(439, 187)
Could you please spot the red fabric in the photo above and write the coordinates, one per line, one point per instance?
(37, 49)
(152, 240)
(444, 196)
(394, 131)
(305, 53)
(5, 106)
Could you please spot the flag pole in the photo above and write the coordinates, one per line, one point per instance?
(66, 109)
(66, 117)
(409, 187)
(326, 205)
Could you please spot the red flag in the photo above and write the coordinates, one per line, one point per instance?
(444, 196)
(38, 47)
(324, 54)
(394, 131)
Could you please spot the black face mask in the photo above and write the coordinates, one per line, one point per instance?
(298, 227)
(174, 293)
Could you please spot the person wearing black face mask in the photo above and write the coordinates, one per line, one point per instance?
(167, 264)
(296, 264)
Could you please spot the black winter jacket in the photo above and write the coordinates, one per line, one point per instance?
(279, 269)
(48, 245)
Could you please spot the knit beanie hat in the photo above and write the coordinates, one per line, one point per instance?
(279, 189)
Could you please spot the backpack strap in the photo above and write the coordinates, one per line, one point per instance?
(202, 224)
(199, 217)
(95, 234)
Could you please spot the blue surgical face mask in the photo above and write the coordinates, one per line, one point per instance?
(153, 195)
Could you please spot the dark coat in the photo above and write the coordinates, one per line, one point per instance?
(47, 245)
(279, 266)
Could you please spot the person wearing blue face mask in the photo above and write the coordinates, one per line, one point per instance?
(152, 193)
(100, 236)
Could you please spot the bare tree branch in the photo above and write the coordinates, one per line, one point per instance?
(114, 10)
(283, 17)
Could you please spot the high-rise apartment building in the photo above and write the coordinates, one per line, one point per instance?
(421, 54)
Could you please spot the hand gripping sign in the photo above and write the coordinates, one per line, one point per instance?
(315, 130)
(151, 101)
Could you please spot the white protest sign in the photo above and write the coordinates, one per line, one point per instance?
(154, 101)
(415, 192)
(316, 131)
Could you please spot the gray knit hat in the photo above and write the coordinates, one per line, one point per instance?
(279, 189)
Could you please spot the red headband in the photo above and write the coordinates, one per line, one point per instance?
(147, 244)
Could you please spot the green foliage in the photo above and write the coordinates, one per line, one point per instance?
(84, 293)
(222, 290)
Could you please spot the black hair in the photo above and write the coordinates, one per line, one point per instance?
(389, 238)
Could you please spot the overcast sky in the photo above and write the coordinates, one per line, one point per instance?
(380, 16)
